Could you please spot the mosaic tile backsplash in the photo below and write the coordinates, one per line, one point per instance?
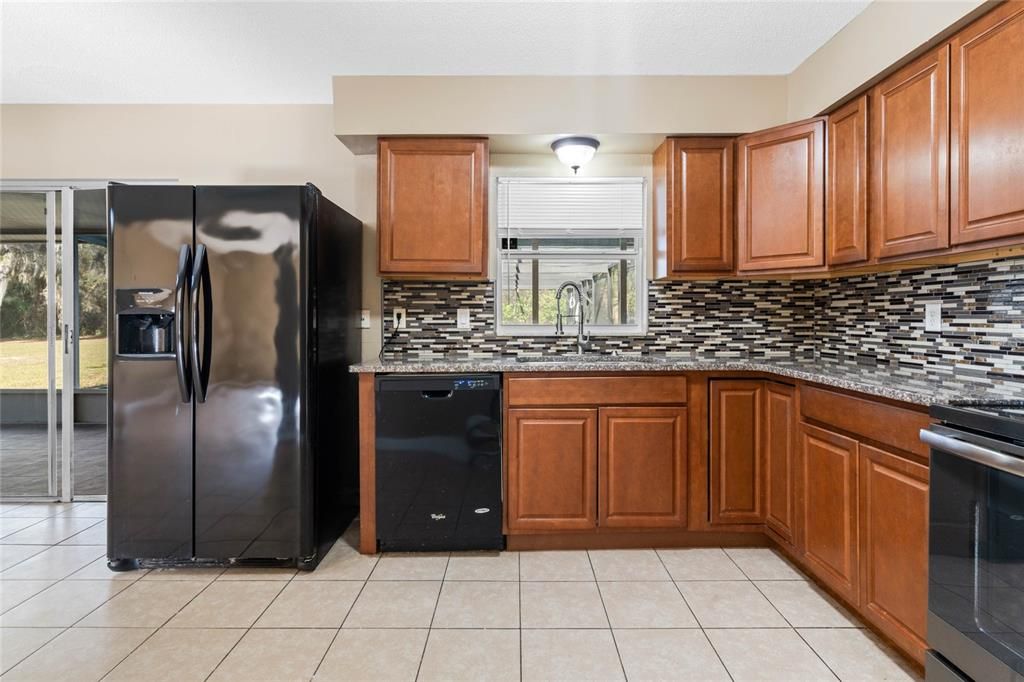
(870, 319)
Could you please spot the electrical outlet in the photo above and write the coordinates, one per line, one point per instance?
(933, 316)
(398, 318)
(462, 318)
(364, 319)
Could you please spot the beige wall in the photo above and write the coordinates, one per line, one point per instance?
(878, 37)
(195, 144)
(631, 108)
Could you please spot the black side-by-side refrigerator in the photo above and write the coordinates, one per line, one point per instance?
(234, 314)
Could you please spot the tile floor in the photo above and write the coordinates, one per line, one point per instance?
(683, 614)
(24, 468)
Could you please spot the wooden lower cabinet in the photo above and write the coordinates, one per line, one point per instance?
(894, 546)
(642, 467)
(735, 492)
(780, 454)
(580, 469)
(828, 480)
(552, 469)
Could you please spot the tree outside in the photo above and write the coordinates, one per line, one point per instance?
(23, 350)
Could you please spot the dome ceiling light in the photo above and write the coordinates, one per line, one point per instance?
(575, 151)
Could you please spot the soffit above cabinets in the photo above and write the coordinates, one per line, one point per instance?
(524, 114)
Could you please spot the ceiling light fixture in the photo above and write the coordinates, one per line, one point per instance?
(575, 151)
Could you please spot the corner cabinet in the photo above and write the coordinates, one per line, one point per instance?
(693, 206)
(987, 137)
(847, 195)
(910, 149)
(432, 207)
(780, 453)
(780, 197)
(736, 481)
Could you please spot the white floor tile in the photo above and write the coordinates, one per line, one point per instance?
(79, 654)
(272, 655)
(61, 605)
(768, 655)
(16, 644)
(315, 604)
(471, 655)
(645, 605)
(562, 605)
(570, 655)
(669, 655)
(389, 655)
(628, 564)
(179, 655)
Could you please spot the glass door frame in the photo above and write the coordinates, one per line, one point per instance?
(60, 484)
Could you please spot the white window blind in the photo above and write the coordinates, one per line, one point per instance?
(588, 231)
(534, 207)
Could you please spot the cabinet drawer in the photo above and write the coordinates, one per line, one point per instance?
(894, 426)
(537, 390)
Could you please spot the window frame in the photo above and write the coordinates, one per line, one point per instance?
(640, 257)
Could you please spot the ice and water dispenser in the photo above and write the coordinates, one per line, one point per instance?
(145, 322)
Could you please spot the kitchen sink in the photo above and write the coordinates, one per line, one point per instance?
(584, 359)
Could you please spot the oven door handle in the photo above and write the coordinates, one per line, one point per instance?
(975, 453)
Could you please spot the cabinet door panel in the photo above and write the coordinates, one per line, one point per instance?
(909, 148)
(847, 202)
(894, 546)
(552, 469)
(781, 197)
(736, 452)
(829, 487)
(642, 467)
(987, 140)
(432, 206)
(693, 199)
(780, 459)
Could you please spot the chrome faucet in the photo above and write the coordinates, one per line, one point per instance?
(581, 339)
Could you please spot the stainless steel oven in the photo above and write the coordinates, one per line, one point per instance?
(976, 544)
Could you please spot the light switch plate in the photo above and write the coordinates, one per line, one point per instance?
(462, 318)
(364, 319)
(933, 316)
(398, 318)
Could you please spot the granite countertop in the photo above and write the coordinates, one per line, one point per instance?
(904, 384)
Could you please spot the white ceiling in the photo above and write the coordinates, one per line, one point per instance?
(285, 52)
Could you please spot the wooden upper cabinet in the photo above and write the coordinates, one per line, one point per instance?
(780, 198)
(847, 196)
(987, 137)
(780, 454)
(642, 467)
(736, 451)
(693, 216)
(828, 483)
(432, 207)
(552, 469)
(910, 156)
(894, 546)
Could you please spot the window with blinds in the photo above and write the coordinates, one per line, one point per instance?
(584, 230)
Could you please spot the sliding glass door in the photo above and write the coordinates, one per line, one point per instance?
(86, 366)
(53, 358)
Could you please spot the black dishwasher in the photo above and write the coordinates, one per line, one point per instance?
(439, 462)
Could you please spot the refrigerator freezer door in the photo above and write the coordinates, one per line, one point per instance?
(150, 462)
(248, 432)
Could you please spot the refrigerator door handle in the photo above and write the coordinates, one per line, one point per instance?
(180, 292)
(201, 365)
